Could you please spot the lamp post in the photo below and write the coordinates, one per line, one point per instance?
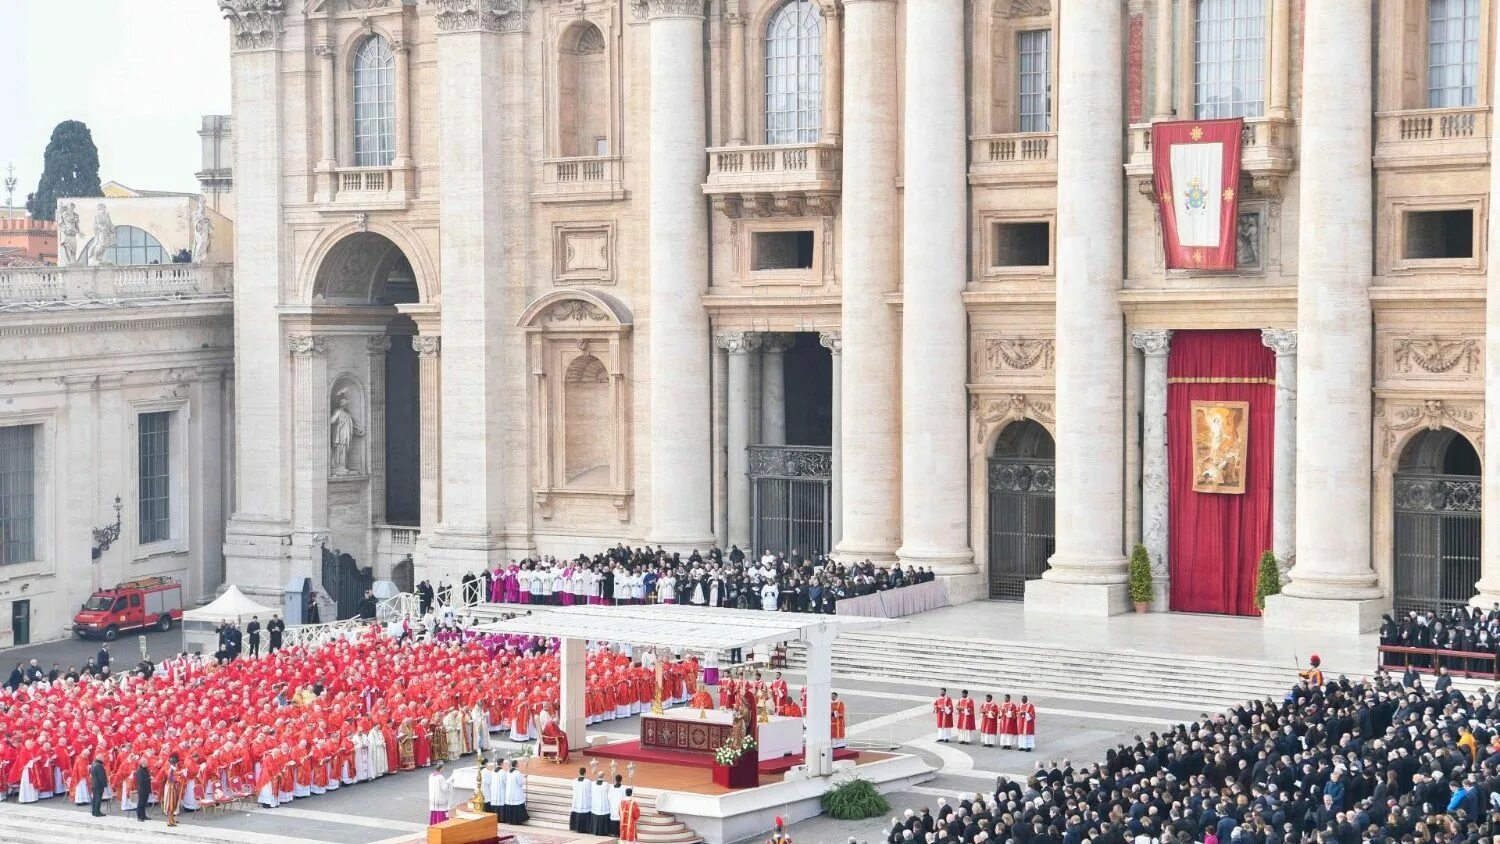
(106, 536)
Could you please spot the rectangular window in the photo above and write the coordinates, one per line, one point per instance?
(1452, 53)
(1022, 245)
(154, 465)
(1440, 234)
(17, 494)
(1229, 58)
(1034, 79)
(782, 251)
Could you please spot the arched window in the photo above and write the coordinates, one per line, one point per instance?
(1229, 58)
(583, 92)
(374, 103)
(794, 74)
(134, 246)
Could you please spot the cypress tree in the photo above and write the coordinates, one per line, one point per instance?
(71, 168)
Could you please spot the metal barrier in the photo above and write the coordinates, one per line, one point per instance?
(1469, 664)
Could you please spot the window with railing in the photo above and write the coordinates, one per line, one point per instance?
(1452, 53)
(17, 494)
(154, 476)
(1229, 58)
(1034, 80)
(794, 74)
(374, 103)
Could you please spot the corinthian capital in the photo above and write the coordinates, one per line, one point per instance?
(426, 345)
(304, 345)
(737, 342)
(256, 24)
(479, 15)
(656, 9)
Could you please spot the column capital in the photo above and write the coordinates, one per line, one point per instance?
(1282, 341)
(307, 345)
(255, 24)
(479, 15)
(737, 342)
(831, 10)
(833, 341)
(1154, 342)
(324, 51)
(426, 345)
(650, 10)
(776, 342)
(378, 344)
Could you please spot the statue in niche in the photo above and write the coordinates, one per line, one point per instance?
(104, 237)
(342, 430)
(68, 230)
(203, 232)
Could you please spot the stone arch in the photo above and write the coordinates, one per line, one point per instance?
(583, 306)
(1017, 514)
(1435, 538)
(356, 263)
(583, 91)
(1023, 437)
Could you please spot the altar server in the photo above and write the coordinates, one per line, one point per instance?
(439, 796)
(839, 721)
(1027, 718)
(630, 816)
(966, 723)
(942, 708)
(989, 721)
(1008, 723)
(490, 786)
(616, 798)
(515, 796)
(581, 817)
(599, 807)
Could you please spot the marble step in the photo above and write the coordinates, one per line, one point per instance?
(31, 824)
(549, 803)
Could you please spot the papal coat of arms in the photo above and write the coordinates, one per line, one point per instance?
(1196, 197)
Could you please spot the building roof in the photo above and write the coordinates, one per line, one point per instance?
(702, 629)
(115, 190)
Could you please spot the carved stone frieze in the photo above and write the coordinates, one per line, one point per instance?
(992, 413)
(1437, 355)
(1395, 418)
(1010, 354)
(479, 15)
(574, 310)
(645, 10)
(363, 5)
(302, 345)
(1027, 8)
(255, 24)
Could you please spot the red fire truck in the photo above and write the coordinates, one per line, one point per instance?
(150, 602)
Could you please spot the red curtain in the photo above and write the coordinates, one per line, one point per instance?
(1215, 540)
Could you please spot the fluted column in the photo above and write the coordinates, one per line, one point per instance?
(430, 404)
(1283, 341)
(833, 71)
(1488, 586)
(402, 51)
(738, 345)
(773, 388)
(736, 20)
(327, 106)
(1333, 585)
(1155, 511)
(834, 343)
(934, 325)
(1087, 574)
(1279, 104)
(681, 489)
(310, 452)
(871, 470)
(377, 346)
(1163, 61)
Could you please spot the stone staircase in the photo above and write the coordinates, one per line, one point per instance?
(1049, 672)
(33, 824)
(549, 803)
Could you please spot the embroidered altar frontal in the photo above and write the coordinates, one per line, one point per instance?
(679, 734)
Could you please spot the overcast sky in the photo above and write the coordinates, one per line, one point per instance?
(140, 73)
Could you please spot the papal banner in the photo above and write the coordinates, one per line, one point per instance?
(1197, 167)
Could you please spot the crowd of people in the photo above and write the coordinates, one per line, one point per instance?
(299, 721)
(1384, 760)
(774, 582)
(1460, 629)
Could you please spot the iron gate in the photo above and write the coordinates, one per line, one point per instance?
(403, 576)
(345, 582)
(1436, 540)
(791, 499)
(1021, 523)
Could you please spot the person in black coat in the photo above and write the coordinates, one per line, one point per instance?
(252, 632)
(102, 659)
(142, 790)
(98, 781)
(274, 629)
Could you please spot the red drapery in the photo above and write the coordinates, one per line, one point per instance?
(1215, 540)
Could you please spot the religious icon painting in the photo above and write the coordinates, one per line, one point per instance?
(1221, 431)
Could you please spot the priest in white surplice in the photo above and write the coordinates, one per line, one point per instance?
(439, 795)
(492, 787)
(514, 811)
(581, 818)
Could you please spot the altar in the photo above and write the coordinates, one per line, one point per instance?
(705, 731)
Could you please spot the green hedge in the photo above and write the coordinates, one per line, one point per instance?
(855, 799)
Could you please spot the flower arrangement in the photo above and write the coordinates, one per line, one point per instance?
(730, 752)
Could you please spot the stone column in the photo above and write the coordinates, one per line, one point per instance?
(773, 388)
(430, 405)
(1088, 570)
(310, 453)
(1333, 586)
(377, 346)
(1488, 586)
(681, 489)
(572, 659)
(327, 106)
(834, 343)
(1283, 341)
(1279, 105)
(833, 71)
(871, 520)
(1154, 477)
(934, 325)
(1163, 60)
(736, 20)
(818, 751)
(401, 49)
(720, 443)
(739, 345)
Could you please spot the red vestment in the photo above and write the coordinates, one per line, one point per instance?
(838, 719)
(630, 816)
(966, 713)
(989, 718)
(943, 709)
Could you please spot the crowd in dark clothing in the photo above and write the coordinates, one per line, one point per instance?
(1384, 760)
(26, 673)
(1459, 629)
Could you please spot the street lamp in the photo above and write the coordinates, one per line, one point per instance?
(106, 536)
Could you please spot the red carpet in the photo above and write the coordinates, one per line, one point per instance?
(632, 751)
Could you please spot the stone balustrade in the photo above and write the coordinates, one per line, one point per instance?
(36, 288)
(1013, 158)
(1268, 152)
(794, 179)
(1432, 137)
(581, 179)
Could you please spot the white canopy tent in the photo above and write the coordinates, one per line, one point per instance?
(199, 626)
(705, 630)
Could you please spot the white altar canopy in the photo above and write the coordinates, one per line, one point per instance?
(707, 630)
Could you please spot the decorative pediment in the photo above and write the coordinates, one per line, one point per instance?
(574, 309)
(1025, 8)
(1396, 418)
(993, 413)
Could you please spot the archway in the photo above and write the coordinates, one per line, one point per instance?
(1436, 534)
(1021, 483)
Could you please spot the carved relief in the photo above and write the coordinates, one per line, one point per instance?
(574, 310)
(364, 5)
(307, 344)
(1028, 8)
(993, 413)
(426, 346)
(470, 15)
(255, 24)
(652, 9)
(583, 253)
(1003, 354)
(1431, 414)
(1436, 355)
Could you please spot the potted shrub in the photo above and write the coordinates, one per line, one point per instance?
(1140, 579)
(1268, 580)
(854, 799)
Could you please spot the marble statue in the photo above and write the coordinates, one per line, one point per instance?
(342, 431)
(203, 232)
(104, 237)
(68, 230)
